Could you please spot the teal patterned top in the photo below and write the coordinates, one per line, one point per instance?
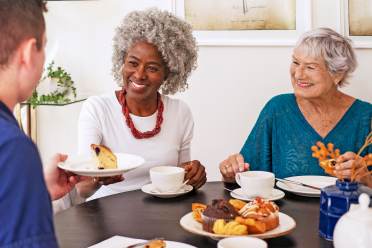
(281, 139)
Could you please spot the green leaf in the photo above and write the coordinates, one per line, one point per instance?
(65, 86)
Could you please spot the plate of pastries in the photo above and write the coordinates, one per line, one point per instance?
(102, 162)
(225, 218)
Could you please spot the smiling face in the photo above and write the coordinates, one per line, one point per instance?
(144, 71)
(310, 76)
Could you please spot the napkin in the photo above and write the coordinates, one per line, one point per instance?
(122, 242)
(116, 242)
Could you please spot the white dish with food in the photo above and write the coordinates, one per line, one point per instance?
(87, 165)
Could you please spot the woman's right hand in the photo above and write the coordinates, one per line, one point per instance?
(348, 164)
(230, 166)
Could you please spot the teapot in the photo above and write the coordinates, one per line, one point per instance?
(354, 228)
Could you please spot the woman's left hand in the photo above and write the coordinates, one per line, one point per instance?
(344, 168)
(195, 173)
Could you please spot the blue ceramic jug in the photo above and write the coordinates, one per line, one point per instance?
(335, 200)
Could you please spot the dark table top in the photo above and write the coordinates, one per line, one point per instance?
(138, 215)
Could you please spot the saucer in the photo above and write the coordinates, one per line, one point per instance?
(150, 189)
(238, 193)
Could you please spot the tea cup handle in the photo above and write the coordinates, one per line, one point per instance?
(237, 179)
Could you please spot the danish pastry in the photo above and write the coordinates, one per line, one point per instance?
(229, 228)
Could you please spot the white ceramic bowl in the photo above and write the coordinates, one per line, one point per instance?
(241, 242)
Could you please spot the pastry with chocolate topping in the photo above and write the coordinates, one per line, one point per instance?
(220, 209)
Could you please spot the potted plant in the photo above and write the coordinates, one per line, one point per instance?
(56, 87)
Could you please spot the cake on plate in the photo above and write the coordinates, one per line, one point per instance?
(104, 157)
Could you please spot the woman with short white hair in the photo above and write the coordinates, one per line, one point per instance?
(290, 124)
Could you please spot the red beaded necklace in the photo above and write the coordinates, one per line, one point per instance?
(136, 133)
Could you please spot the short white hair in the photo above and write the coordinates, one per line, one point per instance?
(334, 48)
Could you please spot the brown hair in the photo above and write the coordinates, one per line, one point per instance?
(20, 20)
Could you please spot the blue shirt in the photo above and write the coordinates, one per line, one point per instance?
(281, 139)
(26, 217)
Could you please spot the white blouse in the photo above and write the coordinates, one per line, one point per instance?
(101, 122)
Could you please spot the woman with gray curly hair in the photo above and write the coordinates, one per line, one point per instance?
(153, 51)
(291, 124)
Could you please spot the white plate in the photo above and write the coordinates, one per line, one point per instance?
(286, 225)
(238, 193)
(150, 189)
(86, 166)
(122, 242)
(317, 181)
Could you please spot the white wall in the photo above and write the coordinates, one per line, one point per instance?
(227, 90)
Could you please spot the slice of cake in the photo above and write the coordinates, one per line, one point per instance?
(104, 157)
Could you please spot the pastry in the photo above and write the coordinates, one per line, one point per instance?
(219, 209)
(156, 243)
(328, 166)
(229, 228)
(236, 217)
(259, 215)
(104, 157)
(197, 210)
(237, 204)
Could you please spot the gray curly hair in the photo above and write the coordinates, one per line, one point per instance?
(171, 35)
(334, 48)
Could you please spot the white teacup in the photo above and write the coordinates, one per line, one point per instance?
(256, 183)
(240, 242)
(167, 178)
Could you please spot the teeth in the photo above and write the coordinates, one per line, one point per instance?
(137, 86)
(304, 84)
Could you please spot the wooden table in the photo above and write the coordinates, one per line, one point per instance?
(138, 215)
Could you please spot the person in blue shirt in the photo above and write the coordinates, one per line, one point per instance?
(290, 124)
(26, 218)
